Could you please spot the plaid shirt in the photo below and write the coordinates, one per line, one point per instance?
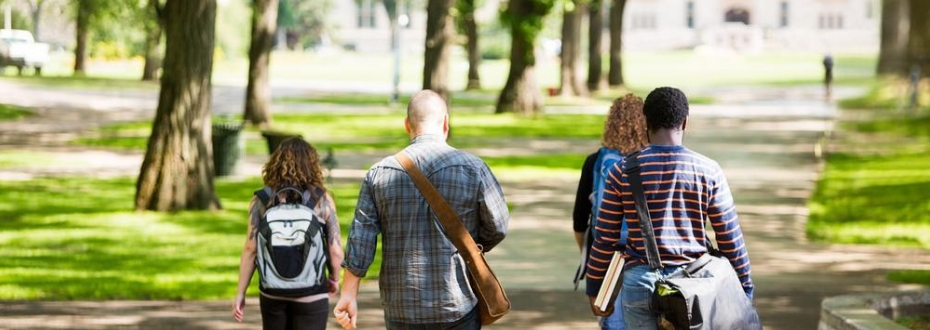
(422, 276)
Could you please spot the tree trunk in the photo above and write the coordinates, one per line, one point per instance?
(615, 72)
(80, 50)
(153, 41)
(177, 172)
(918, 50)
(521, 93)
(36, 7)
(571, 50)
(894, 34)
(258, 92)
(595, 31)
(474, 55)
(439, 32)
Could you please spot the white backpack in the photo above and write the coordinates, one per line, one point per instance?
(292, 254)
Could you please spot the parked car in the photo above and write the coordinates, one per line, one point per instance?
(19, 49)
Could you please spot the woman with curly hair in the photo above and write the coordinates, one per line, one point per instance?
(293, 168)
(624, 133)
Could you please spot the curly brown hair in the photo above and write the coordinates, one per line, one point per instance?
(294, 164)
(625, 128)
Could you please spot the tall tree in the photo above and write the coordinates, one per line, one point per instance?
(154, 18)
(440, 30)
(468, 26)
(521, 92)
(258, 92)
(918, 45)
(572, 17)
(894, 35)
(177, 172)
(615, 72)
(595, 32)
(85, 9)
(35, 8)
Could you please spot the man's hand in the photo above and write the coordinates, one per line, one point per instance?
(346, 311)
(238, 309)
(597, 311)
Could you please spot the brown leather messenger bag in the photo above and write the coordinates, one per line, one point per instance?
(492, 301)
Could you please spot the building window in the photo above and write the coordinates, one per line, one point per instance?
(783, 22)
(831, 21)
(690, 14)
(366, 13)
(737, 15)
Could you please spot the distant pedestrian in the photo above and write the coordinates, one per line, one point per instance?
(828, 75)
(297, 281)
(423, 280)
(624, 133)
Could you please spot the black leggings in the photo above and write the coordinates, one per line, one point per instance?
(290, 315)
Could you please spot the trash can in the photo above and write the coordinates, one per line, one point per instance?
(227, 147)
(274, 139)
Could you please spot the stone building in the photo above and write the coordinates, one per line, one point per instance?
(721, 25)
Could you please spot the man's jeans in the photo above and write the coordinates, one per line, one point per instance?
(638, 285)
(615, 320)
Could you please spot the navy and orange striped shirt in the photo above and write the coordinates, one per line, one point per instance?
(684, 191)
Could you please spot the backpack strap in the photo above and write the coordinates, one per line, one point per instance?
(632, 171)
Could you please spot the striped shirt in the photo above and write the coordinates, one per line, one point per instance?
(684, 190)
(422, 276)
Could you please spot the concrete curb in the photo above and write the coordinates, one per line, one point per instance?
(871, 311)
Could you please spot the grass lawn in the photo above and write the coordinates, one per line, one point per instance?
(9, 112)
(877, 198)
(374, 131)
(78, 238)
(876, 188)
(915, 323)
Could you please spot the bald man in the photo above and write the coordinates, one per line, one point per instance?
(423, 280)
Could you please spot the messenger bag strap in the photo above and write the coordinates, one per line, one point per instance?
(449, 220)
(642, 210)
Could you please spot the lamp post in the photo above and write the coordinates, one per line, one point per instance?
(401, 23)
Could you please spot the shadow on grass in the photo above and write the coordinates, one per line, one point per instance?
(78, 238)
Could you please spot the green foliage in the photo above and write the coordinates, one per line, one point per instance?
(9, 112)
(877, 198)
(307, 21)
(526, 19)
(110, 36)
(78, 238)
(233, 29)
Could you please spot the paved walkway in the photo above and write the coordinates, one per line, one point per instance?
(766, 139)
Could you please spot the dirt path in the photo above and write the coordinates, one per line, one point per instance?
(766, 139)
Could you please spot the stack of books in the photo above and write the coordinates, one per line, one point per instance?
(613, 281)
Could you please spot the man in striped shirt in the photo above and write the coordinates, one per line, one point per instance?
(684, 190)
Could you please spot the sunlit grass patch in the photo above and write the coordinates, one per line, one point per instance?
(910, 276)
(377, 131)
(533, 168)
(78, 238)
(879, 197)
(9, 112)
(885, 93)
